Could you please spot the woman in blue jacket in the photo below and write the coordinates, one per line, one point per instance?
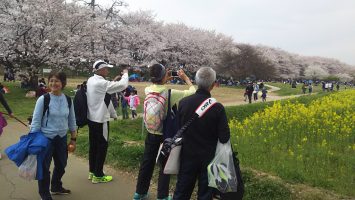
(54, 122)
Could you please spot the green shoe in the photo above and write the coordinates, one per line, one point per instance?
(140, 196)
(166, 198)
(90, 175)
(102, 179)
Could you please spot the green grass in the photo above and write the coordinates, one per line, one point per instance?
(242, 112)
(287, 90)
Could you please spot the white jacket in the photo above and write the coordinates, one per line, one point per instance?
(97, 87)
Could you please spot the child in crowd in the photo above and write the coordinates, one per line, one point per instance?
(263, 94)
(133, 102)
(124, 104)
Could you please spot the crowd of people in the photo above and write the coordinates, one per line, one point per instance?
(253, 89)
(54, 116)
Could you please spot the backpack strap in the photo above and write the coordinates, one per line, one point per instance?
(169, 99)
(69, 101)
(200, 111)
(205, 106)
(47, 99)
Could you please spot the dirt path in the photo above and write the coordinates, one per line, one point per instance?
(271, 96)
(75, 178)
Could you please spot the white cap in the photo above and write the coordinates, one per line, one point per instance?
(99, 65)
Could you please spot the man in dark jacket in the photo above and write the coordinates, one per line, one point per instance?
(200, 139)
(249, 90)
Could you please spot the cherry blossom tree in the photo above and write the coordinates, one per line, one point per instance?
(315, 72)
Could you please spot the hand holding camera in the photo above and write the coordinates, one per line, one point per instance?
(184, 77)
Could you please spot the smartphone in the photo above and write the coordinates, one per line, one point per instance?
(174, 73)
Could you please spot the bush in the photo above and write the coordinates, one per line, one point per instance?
(312, 142)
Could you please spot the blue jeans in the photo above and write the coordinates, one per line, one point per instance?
(57, 149)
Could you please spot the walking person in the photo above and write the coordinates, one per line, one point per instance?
(310, 88)
(304, 88)
(263, 94)
(133, 102)
(249, 90)
(54, 122)
(124, 105)
(7, 108)
(154, 118)
(100, 109)
(256, 91)
(200, 139)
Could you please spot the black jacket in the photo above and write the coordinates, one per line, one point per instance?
(200, 139)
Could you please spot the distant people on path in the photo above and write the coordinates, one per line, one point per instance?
(124, 105)
(249, 90)
(261, 85)
(263, 94)
(310, 88)
(304, 88)
(133, 102)
(331, 87)
(54, 122)
(100, 110)
(256, 91)
(154, 123)
(338, 86)
(200, 139)
(7, 108)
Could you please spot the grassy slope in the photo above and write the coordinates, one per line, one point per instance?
(286, 90)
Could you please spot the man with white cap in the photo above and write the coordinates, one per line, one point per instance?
(100, 109)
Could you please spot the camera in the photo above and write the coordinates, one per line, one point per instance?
(174, 73)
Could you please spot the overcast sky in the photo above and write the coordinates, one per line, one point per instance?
(307, 27)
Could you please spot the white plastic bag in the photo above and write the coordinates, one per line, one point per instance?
(28, 168)
(221, 171)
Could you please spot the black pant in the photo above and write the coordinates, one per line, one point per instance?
(190, 170)
(249, 97)
(255, 96)
(57, 149)
(98, 147)
(134, 114)
(152, 143)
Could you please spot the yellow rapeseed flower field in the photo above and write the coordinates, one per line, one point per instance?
(313, 144)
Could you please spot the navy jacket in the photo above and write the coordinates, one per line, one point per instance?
(200, 139)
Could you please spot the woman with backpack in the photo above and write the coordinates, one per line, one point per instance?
(155, 108)
(53, 116)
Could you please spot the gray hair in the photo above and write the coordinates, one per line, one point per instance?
(205, 77)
